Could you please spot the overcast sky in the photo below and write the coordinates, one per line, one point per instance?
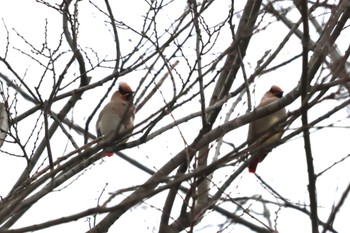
(284, 168)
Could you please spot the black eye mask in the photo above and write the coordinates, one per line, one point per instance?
(279, 95)
(128, 96)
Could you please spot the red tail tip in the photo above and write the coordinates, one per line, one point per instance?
(251, 170)
(252, 167)
(108, 154)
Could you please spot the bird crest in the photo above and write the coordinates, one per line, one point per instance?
(124, 88)
(124, 92)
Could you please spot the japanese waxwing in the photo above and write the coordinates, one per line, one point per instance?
(4, 123)
(262, 127)
(117, 114)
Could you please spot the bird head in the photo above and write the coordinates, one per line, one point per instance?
(124, 92)
(276, 91)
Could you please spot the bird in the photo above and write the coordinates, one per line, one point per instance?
(260, 129)
(4, 123)
(118, 114)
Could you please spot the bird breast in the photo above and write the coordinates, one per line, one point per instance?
(265, 126)
(109, 123)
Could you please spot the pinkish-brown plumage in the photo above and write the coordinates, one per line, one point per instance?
(4, 123)
(117, 114)
(259, 129)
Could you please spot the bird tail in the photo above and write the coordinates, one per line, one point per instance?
(252, 166)
(108, 151)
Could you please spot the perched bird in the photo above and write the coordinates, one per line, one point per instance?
(4, 123)
(118, 114)
(260, 129)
